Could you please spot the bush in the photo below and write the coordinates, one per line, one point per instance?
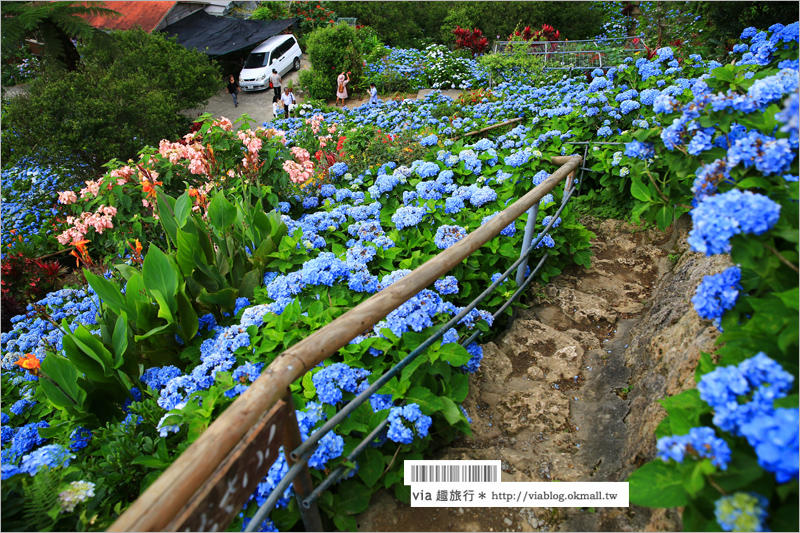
(518, 61)
(332, 50)
(112, 105)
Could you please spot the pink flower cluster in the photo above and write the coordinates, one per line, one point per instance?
(195, 153)
(302, 169)
(67, 197)
(250, 140)
(100, 221)
(224, 123)
(315, 122)
(123, 175)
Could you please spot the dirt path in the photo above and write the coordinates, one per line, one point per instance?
(550, 400)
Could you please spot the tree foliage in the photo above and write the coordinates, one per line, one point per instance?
(332, 50)
(55, 23)
(399, 23)
(112, 105)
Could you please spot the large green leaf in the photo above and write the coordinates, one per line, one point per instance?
(221, 213)
(354, 497)
(120, 339)
(428, 403)
(189, 322)
(188, 252)
(92, 368)
(164, 310)
(66, 392)
(183, 208)
(92, 347)
(166, 214)
(451, 411)
(108, 292)
(225, 298)
(639, 190)
(159, 275)
(657, 484)
(370, 466)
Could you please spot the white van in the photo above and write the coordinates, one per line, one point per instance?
(280, 52)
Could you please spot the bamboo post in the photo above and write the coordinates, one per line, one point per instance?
(156, 507)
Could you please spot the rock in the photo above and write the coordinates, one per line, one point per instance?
(563, 364)
(495, 365)
(581, 307)
(539, 410)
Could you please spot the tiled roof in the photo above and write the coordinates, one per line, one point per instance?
(148, 15)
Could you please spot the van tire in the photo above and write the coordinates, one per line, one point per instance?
(296, 64)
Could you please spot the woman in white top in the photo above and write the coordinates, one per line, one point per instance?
(276, 85)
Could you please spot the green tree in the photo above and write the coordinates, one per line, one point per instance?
(110, 107)
(332, 50)
(55, 23)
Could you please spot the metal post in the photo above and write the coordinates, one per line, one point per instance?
(533, 213)
(303, 486)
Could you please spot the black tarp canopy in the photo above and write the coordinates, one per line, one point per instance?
(219, 35)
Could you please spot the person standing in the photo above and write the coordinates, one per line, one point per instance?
(288, 101)
(233, 90)
(341, 87)
(275, 82)
(373, 94)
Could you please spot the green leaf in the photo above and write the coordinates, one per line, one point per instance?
(183, 208)
(120, 339)
(459, 387)
(225, 298)
(159, 274)
(451, 411)
(639, 190)
(405, 375)
(166, 216)
(664, 217)
(345, 522)
(370, 466)
(309, 391)
(657, 484)
(428, 403)
(150, 462)
(188, 252)
(92, 368)
(250, 281)
(164, 307)
(189, 323)
(684, 410)
(454, 353)
(353, 497)
(694, 479)
(66, 392)
(108, 292)
(92, 347)
(221, 213)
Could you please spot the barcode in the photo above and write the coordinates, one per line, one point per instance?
(452, 471)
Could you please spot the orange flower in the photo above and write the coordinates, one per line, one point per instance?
(30, 363)
(193, 192)
(81, 253)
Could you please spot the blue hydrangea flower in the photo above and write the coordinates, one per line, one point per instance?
(720, 217)
(446, 236)
(448, 285)
(742, 511)
(701, 442)
(50, 456)
(717, 293)
(332, 380)
(775, 439)
(399, 432)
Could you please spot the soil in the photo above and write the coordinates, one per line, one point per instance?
(551, 398)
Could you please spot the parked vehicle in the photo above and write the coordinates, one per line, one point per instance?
(280, 52)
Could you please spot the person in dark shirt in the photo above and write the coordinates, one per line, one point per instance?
(233, 90)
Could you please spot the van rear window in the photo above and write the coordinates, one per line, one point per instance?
(256, 60)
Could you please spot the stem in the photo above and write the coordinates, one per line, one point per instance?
(663, 197)
(714, 484)
(779, 256)
(392, 462)
(56, 385)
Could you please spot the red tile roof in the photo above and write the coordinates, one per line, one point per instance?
(148, 15)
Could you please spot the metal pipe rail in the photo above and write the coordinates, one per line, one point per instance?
(239, 432)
